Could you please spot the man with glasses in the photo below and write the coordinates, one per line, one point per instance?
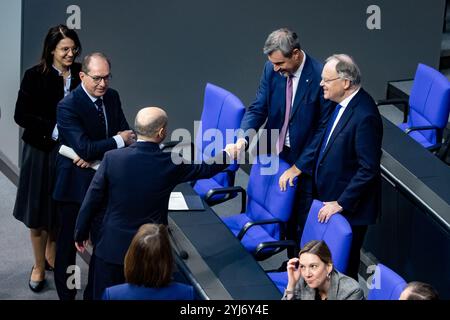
(347, 170)
(290, 99)
(90, 120)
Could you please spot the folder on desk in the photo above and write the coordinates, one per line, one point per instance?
(180, 202)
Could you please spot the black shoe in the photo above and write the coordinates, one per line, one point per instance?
(283, 267)
(48, 267)
(36, 286)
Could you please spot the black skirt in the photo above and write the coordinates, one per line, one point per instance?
(34, 204)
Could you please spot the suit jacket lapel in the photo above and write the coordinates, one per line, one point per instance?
(107, 102)
(342, 121)
(303, 86)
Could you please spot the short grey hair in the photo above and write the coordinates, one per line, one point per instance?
(346, 68)
(282, 39)
(150, 129)
(87, 60)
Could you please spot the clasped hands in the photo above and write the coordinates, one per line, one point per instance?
(128, 137)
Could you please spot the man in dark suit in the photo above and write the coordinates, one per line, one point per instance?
(135, 185)
(290, 99)
(347, 175)
(90, 121)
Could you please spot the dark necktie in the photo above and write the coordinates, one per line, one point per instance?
(327, 134)
(101, 115)
(287, 115)
(326, 137)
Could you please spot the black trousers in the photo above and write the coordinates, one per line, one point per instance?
(65, 249)
(106, 275)
(302, 204)
(359, 232)
(300, 209)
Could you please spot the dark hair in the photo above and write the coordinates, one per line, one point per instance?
(284, 40)
(421, 291)
(54, 36)
(320, 249)
(149, 259)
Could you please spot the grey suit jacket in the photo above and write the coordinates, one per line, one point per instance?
(342, 287)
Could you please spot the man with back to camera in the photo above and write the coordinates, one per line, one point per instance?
(347, 171)
(135, 185)
(90, 121)
(290, 98)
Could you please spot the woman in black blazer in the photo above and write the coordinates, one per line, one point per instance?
(42, 87)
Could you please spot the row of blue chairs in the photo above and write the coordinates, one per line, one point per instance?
(265, 209)
(425, 116)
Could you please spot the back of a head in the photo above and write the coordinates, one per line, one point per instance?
(282, 39)
(319, 248)
(149, 121)
(419, 291)
(149, 259)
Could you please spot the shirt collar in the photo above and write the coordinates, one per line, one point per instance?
(344, 103)
(298, 73)
(59, 71)
(91, 97)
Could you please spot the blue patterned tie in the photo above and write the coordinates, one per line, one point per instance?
(101, 115)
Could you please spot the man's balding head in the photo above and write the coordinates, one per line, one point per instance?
(150, 123)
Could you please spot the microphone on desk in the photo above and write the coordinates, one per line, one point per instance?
(182, 253)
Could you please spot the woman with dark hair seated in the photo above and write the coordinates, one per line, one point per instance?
(148, 269)
(313, 277)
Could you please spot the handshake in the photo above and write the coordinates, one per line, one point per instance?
(236, 150)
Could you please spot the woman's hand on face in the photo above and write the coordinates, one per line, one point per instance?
(293, 270)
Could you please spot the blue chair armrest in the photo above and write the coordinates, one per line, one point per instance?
(229, 190)
(411, 129)
(250, 224)
(279, 245)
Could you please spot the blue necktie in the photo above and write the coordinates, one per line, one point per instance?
(329, 126)
(326, 136)
(101, 115)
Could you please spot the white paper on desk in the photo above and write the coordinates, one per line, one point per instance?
(177, 202)
(71, 154)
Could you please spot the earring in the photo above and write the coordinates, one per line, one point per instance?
(329, 275)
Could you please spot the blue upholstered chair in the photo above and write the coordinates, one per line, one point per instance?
(426, 114)
(222, 110)
(386, 284)
(336, 233)
(261, 226)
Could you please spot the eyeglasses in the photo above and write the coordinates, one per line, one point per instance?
(98, 79)
(329, 80)
(67, 49)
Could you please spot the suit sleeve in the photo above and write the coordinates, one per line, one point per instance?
(368, 153)
(188, 172)
(257, 112)
(71, 130)
(93, 202)
(306, 160)
(27, 102)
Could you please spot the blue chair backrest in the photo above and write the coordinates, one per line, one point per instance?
(265, 200)
(386, 284)
(429, 101)
(336, 233)
(222, 110)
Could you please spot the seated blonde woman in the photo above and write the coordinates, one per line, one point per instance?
(313, 277)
